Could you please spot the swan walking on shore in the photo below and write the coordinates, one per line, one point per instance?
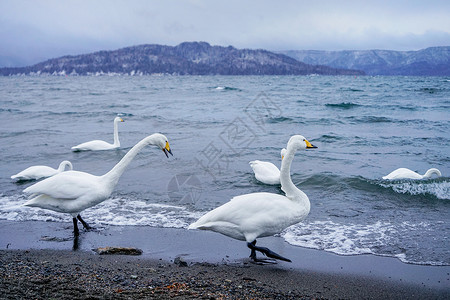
(248, 217)
(404, 173)
(266, 172)
(97, 145)
(38, 172)
(73, 191)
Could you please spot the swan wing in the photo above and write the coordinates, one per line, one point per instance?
(93, 145)
(260, 208)
(265, 172)
(65, 185)
(249, 216)
(35, 172)
(402, 173)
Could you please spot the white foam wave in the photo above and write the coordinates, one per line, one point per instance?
(120, 211)
(379, 238)
(440, 190)
(329, 236)
(12, 209)
(115, 211)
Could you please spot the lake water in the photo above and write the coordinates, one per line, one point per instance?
(364, 128)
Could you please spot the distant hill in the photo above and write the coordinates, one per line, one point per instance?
(190, 58)
(433, 61)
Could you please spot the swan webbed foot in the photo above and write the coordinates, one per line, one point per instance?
(263, 261)
(266, 251)
(85, 225)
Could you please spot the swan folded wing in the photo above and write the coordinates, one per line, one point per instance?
(66, 185)
(237, 210)
(35, 172)
(403, 173)
(264, 167)
(248, 216)
(266, 172)
(265, 214)
(225, 228)
(93, 145)
(45, 172)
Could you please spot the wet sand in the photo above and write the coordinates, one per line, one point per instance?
(38, 261)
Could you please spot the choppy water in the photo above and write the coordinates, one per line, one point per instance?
(365, 127)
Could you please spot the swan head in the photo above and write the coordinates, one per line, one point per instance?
(162, 142)
(299, 142)
(283, 153)
(118, 119)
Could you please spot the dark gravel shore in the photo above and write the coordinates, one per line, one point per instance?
(61, 274)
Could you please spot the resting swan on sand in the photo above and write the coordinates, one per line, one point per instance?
(248, 217)
(38, 172)
(266, 172)
(404, 173)
(73, 191)
(97, 145)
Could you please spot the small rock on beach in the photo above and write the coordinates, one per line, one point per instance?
(118, 250)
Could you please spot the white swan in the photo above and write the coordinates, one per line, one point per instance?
(266, 172)
(38, 172)
(73, 191)
(97, 145)
(248, 217)
(404, 173)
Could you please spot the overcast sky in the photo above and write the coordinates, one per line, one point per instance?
(35, 30)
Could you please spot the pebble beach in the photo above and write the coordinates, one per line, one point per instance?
(182, 264)
(58, 274)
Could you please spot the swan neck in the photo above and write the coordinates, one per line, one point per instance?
(292, 192)
(62, 166)
(113, 176)
(116, 134)
(431, 172)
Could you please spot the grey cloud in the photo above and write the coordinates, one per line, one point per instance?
(35, 30)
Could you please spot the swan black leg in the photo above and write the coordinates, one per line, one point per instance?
(85, 225)
(75, 243)
(266, 251)
(76, 232)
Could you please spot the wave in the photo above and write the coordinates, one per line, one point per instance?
(226, 88)
(370, 119)
(319, 121)
(377, 238)
(342, 105)
(346, 229)
(129, 210)
(351, 90)
(329, 138)
(12, 111)
(430, 90)
(116, 106)
(49, 114)
(279, 120)
(35, 132)
(117, 211)
(405, 107)
(438, 188)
